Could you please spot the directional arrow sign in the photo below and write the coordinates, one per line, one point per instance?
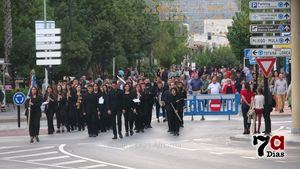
(247, 53)
(48, 62)
(266, 65)
(269, 5)
(270, 40)
(275, 52)
(270, 28)
(269, 16)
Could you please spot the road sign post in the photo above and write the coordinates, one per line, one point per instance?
(266, 65)
(257, 28)
(274, 52)
(270, 40)
(19, 99)
(279, 16)
(269, 5)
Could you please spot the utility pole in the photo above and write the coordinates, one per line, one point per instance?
(45, 26)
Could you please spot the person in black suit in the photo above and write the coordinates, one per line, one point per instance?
(103, 103)
(173, 107)
(114, 109)
(90, 109)
(34, 113)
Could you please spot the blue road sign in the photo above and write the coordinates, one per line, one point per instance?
(247, 53)
(19, 98)
(252, 60)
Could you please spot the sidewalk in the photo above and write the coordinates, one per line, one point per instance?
(290, 139)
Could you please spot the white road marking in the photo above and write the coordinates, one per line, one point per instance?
(27, 150)
(217, 153)
(32, 155)
(111, 147)
(8, 147)
(69, 162)
(129, 146)
(280, 128)
(36, 163)
(247, 157)
(181, 148)
(61, 149)
(93, 166)
(49, 158)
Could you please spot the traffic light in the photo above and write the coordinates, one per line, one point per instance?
(209, 36)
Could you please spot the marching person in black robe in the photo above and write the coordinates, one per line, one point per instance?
(181, 100)
(127, 109)
(103, 104)
(114, 109)
(34, 113)
(90, 109)
(79, 109)
(51, 108)
(173, 107)
(61, 109)
(137, 109)
(71, 101)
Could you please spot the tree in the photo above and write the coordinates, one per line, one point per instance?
(222, 56)
(7, 29)
(169, 48)
(239, 33)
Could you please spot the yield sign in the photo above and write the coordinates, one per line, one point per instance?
(266, 65)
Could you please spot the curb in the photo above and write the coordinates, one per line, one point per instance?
(249, 139)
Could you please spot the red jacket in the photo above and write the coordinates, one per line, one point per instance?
(227, 90)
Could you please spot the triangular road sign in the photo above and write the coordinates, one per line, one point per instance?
(266, 65)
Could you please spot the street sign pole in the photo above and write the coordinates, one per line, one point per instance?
(19, 116)
(45, 26)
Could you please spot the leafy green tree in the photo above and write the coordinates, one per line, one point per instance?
(222, 56)
(239, 33)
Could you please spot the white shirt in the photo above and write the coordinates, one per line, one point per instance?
(259, 101)
(214, 88)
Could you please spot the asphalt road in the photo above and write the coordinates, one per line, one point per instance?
(201, 145)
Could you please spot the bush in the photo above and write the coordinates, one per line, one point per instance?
(9, 94)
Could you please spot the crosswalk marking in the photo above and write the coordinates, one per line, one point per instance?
(93, 166)
(47, 159)
(7, 147)
(69, 162)
(26, 150)
(32, 155)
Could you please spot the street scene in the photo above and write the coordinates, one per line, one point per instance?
(146, 84)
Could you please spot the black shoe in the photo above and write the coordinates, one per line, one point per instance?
(137, 131)
(150, 126)
(165, 120)
(62, 130)
(115, 137)
(37, 139)
(177, 134)
(158, 121)
(120, 135)
(181, 125)
(127, 134)
(95, 135)
(131, 132)
(31, 140)
(90, 135)
(58, 131)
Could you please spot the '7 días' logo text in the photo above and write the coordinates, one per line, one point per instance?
(276, 146)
